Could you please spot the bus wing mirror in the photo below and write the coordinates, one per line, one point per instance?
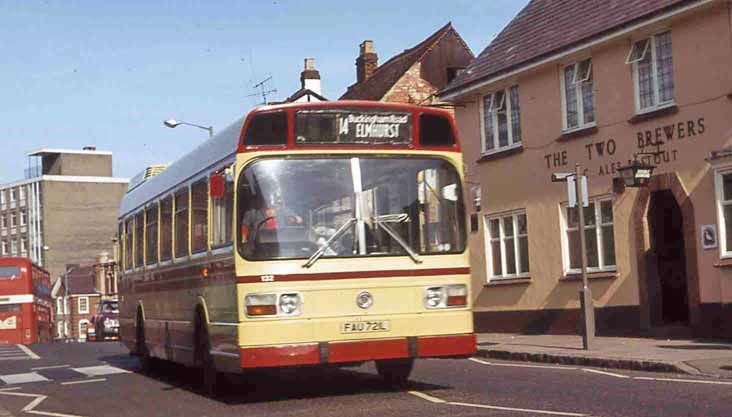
(216, 186)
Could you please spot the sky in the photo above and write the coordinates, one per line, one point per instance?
(78, 73)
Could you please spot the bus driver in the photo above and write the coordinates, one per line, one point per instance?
(261, 216)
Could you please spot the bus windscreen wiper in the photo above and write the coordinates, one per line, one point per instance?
(382, 220)
(318, 253)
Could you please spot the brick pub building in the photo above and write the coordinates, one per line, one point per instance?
(413, 76)
(596, 82)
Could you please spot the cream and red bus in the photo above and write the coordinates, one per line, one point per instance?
(328, 233)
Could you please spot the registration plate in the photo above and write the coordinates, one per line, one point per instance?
(365, 326)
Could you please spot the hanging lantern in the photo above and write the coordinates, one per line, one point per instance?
(636, 174)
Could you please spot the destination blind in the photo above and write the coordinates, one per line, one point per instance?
(352, 126)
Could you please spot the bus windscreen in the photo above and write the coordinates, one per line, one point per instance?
(346, 206)
(352, 127)
(9, 272)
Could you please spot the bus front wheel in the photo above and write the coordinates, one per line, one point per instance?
(143, 353)
(210, 377)
(394, 372)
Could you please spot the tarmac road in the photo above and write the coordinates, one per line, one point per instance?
(100, 379)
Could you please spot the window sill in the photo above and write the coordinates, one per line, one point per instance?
(501, 154)
(577, 133)
(508, 281)
(590, 275)
(653, 114)
(724, 263)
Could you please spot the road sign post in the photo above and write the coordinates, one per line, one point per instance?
(577, 197)
(586, 302)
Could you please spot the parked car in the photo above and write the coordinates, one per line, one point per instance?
(106, 321)
(91, 331)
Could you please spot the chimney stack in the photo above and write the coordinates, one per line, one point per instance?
(310, 77)
(366, 62)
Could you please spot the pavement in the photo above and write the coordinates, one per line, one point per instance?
(692, 357)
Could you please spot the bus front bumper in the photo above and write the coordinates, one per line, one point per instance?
(342, 352)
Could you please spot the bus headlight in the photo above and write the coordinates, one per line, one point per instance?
(434, 297)
(447, 296)
(261, 304)
(290, 304)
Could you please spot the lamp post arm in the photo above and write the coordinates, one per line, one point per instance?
(209, 128)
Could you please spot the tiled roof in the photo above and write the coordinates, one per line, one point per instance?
(546, 27)
(387, 74)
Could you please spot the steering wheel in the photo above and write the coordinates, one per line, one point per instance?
(259, 225)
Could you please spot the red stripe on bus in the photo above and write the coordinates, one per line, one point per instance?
(353, 275)
(367, 350)
(292, 355)
(446, 345)
(461, 345)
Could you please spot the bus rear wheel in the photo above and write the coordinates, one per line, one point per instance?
(395, 372)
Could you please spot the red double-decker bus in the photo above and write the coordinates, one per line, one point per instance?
(25, 302)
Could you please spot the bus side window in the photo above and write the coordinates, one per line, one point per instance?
(181, 223)
(199, 216)
(151, 235)
(222, 214)
(120, 243)
(129, 234)
(267, 129)
(166, 229)
(139, 239)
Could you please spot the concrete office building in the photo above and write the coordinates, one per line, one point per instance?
(64, 211)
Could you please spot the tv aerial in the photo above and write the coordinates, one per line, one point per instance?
(264, 92)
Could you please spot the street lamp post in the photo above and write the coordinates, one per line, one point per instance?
(171, 123)
(67, 307)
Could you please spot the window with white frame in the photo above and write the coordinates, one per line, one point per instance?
(13, 247)
(83, 325)
(60, 329)
(599, 237)
(23, 217)
(13, 219)
(507, 245)
(5, 247)
(2, 196)
(59, 305)
(653, 72)
(12, 194)
(83, 305)
(21, 192)
(23, 244)
(723, 188)
(501, 120)
(578, 97)
(5, 221)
